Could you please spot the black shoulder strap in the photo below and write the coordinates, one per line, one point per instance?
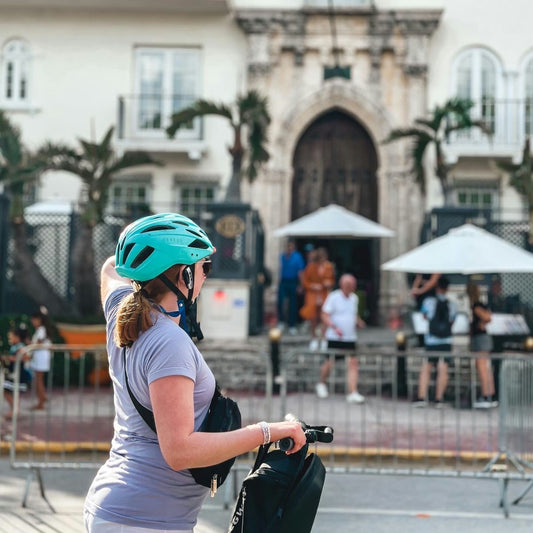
(145, 413)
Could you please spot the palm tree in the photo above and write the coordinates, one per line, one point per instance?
(96, 164)
(19, 169)
(522, 180)
(454, 115)
(249, 113)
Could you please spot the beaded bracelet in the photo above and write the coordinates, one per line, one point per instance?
(265, 428)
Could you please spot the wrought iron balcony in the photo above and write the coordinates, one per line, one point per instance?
(510, 123)
(142, 121)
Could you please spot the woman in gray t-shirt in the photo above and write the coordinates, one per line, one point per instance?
(160, 265)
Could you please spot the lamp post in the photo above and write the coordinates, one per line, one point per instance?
(274, 336)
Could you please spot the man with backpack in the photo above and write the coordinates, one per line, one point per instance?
(440, 313)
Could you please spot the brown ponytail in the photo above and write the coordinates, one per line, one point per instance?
(135, 314)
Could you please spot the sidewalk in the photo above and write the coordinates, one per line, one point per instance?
(65, 490)
(349, 504)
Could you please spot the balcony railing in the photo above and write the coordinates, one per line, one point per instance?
(510, 122)
(142, 121)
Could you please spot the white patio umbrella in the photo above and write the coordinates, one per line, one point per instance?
(333, 221)
(464, 250)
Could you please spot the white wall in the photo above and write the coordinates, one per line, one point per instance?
(84, 61)
(493, 24)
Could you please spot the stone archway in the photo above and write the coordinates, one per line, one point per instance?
(335, 161)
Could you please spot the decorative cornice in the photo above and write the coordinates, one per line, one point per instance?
(267, 21)
(381, 23)
(260, 25)
(418, 22)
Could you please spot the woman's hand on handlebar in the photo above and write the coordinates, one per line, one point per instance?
(291, 429)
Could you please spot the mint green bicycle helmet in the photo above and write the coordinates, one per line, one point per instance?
(152, 244)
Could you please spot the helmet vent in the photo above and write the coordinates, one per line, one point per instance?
(143, 255)
(197, 243)
(127, 251)
(195, 233)
(181, 223)
(156, 228)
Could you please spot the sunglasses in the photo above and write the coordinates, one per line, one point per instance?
(206, 267)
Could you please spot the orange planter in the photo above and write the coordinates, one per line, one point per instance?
(90, 335)
(82, 333)
(100, 377)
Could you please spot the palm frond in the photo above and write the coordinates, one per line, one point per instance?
(428, 123)
(63, 157)
(200, 108)
(132, 159)
(458, 106)
(402, 133)
(253, 107)
(11, 149)
(253, 113)
(508, 167)
(98, 152)
(256, 147)
(418, 152)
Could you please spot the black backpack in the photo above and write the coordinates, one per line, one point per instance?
(440, 325)
(280, 494)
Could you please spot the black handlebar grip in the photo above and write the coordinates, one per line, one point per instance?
(286, 444)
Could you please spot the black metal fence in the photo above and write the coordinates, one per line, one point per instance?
(235, 229)
(50, 238)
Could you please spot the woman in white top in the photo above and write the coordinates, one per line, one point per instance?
(41, 358)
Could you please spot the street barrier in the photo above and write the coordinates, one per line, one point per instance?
(385, 435)
(389, 434)
(75, 429)
(516, 417)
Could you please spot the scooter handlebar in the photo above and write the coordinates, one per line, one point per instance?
(312, 434)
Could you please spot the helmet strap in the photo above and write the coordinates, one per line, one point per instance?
(175, 289)
(186, 308)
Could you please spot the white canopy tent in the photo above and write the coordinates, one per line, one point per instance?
(333, 221)
(464, 250)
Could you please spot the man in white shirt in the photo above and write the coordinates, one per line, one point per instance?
(339, 314)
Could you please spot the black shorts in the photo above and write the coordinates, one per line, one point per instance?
(347, 347)
(439, 348)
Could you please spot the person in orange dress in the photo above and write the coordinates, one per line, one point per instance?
(317, 279)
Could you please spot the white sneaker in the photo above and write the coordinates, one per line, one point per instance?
(323, 345)
(321, 390)
(313, 345)
(355, 397)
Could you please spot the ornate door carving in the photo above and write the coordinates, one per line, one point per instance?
(335, 162)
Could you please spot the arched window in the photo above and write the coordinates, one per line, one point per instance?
(15, 73)
(478, 77)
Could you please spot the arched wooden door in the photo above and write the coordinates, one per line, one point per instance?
(335, 161)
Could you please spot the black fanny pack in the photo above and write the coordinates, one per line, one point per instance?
(223, 415)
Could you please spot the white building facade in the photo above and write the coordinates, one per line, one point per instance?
(73, 69)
